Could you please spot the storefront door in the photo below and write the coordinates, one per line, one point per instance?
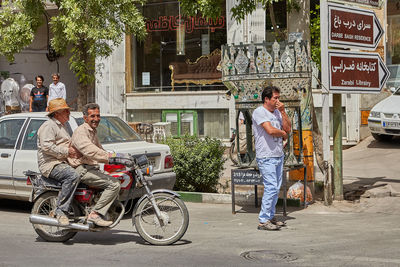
(182, 121)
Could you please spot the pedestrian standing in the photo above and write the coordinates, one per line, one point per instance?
(39, 96)
(57, 88)
(271, 126)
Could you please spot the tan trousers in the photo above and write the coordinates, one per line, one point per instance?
(93, 177)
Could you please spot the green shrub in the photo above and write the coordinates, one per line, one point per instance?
(198, 163)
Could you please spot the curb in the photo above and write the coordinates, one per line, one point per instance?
(240, 199)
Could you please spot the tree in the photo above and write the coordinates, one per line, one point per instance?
(213, 8)
(90, 27)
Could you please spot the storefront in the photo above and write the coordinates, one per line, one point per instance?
(393, 42)
(175, 76)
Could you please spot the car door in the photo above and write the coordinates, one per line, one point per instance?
(10, 130)
(26, 157)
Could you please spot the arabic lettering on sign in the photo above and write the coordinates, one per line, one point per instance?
(354, 72)
(361, 66)
(352, 27)
(350, 24)
(171, 23)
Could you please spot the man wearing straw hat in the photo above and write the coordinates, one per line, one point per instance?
(54, 147)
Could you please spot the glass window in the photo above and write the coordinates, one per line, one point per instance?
(30, 138)
(174, 39)
(216, 123)
(113, 130)
(9, 130)
(144, 115)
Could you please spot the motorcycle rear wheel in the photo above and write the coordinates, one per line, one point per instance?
(174, 214)
(43, 206)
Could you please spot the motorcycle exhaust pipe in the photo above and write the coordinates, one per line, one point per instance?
(40, 219)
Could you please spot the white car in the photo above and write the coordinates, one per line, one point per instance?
(18, 150)
(384, 118)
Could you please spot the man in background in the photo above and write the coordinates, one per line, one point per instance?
(271, 126)
(57, 88)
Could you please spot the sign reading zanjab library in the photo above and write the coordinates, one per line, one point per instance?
(356, 72)
(353, 27)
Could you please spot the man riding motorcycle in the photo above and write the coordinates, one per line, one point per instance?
(85, 140)
(53, 150)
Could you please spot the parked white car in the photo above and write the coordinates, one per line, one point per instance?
(384, 118)
(18, 150)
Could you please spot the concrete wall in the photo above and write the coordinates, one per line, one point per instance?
(110, 82)
(33, 61)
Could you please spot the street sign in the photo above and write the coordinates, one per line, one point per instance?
(356, 72)
(352, 27)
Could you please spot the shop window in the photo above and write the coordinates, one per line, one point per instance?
(176, 40)
(146, 115)
(183, 122)
(393, 43)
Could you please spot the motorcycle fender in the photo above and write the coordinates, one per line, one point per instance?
(38, 193)
(155, 192)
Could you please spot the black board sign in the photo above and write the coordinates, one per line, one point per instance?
(246, 177)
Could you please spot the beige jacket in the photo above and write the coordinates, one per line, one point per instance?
(85, 140)
(53, 142)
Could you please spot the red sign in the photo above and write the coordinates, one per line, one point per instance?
(351, 72)
(353, 27)
(172, 23)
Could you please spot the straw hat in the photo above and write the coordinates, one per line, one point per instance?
(56, 105)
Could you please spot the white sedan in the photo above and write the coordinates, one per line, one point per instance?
(384, 118)
(18, 150)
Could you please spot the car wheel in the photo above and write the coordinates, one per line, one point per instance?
(382, 137)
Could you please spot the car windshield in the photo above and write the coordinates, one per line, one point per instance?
(113, 130)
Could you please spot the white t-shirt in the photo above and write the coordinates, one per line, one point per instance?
(57, 91)
(267, 146)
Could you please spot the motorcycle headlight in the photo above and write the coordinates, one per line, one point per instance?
(375, 114)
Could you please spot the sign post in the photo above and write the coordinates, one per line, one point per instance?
(356, 72)
(353, 28)
(347, 26)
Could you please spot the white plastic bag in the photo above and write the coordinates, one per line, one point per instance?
(296, 191)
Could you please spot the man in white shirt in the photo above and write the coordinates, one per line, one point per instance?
(57, 88)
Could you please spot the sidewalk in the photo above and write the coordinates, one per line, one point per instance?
(369, 171)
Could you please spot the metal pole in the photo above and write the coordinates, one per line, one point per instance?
(325, 103)
(337, 147)
(161, 74)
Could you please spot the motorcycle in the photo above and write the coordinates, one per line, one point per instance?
(160, 216)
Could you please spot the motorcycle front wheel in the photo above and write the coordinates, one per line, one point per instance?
(45, 205)
(174, 219)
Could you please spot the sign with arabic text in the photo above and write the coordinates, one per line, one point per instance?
(351, 72)
(172, 23)
(351, 27)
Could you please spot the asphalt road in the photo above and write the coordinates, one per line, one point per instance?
(318, 236)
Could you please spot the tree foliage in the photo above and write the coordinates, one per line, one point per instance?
(213, 8)
(92, 28)
(315, 36)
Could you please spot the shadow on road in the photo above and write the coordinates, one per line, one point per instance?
(110, 237)
(15, 205)
(395, 142)
(356, 189)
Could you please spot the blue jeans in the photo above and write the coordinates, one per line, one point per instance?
(69, 179)
(271, 170)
